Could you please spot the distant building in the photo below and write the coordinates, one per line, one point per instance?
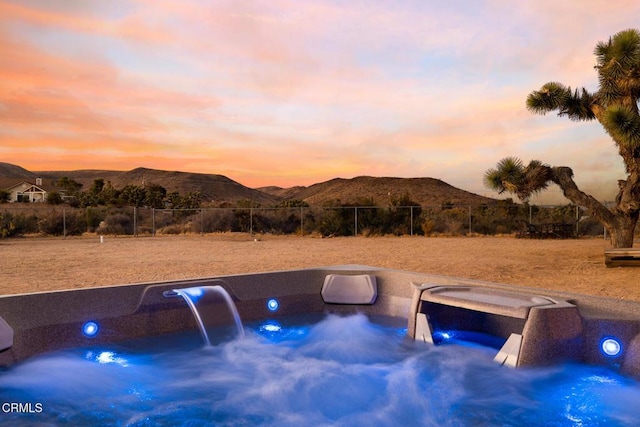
(24, 191)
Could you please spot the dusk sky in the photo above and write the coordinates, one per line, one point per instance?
(297, 92)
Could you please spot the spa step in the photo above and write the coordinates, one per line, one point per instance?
(533, 329)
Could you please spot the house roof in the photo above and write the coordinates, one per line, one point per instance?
(9, 183)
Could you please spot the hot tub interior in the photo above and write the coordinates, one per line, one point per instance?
(525, 328)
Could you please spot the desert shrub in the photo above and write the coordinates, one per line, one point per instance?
(93, 218)
(26, 224)
(75, 223)
(371, 220)
(58, 223)
(264, 221)
(336, 221)
(397, 220)
(428, 226)
(165, 217)
(54, 198)
(193, 222)
(7, 227)
(433, 221)
(261, 221)
(342, 219)
(486, 219)
(182, 228)
(142, 230)
(248, 219)
(455, 220)
(74, 202)
(398, 217)
(501, 229)
(290, 223)
(258, 220)
(51, 223)
(452, 221)
(269, 220)
(17, 225)
(144, 220)
(117, 223)
(309, 221)
(215, 221)
(543, 214)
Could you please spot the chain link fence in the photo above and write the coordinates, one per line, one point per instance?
(449, 219)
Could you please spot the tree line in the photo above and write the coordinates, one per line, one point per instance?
(102, 193)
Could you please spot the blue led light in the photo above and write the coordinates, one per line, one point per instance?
(106, 358)
(270, 326)
(273, 304)
(611, 347)
(195, 293)
(90, 329)
(440, 337)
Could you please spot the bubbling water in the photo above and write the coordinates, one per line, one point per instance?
(342, 371)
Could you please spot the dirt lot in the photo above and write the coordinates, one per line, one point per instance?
(39, 264)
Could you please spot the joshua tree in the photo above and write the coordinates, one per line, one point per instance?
(615, 106)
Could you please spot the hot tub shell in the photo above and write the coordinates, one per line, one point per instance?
(555, 326)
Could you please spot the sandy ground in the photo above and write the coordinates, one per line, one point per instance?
(45, 264)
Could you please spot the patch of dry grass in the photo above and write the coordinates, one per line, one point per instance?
(39, 264)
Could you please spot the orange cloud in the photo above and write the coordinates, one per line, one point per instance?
(291, 92)
(83, 22)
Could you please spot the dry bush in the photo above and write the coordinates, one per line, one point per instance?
(116, 224)
(176, 229)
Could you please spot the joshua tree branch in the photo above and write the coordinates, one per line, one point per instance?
(563, 177)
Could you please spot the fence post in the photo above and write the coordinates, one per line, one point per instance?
(301, 221)
(135, 221)
(251, 221)
(355, 231)
(64, 223)
(202, 222)
(411, 227)
(469, 220)
(153, 222)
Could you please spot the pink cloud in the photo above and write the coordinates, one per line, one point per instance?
(83, 22)
(289, 91)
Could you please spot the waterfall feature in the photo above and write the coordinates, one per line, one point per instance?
(213, 310)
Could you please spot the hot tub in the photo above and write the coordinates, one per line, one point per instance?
(523, 328)
(557, 326)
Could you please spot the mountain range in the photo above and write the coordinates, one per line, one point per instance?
(219, 188)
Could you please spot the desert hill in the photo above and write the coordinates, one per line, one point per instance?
(7, 170)
(11, 175)
(219, 188)
(214, 188)
(425, 191)
(282, 193)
